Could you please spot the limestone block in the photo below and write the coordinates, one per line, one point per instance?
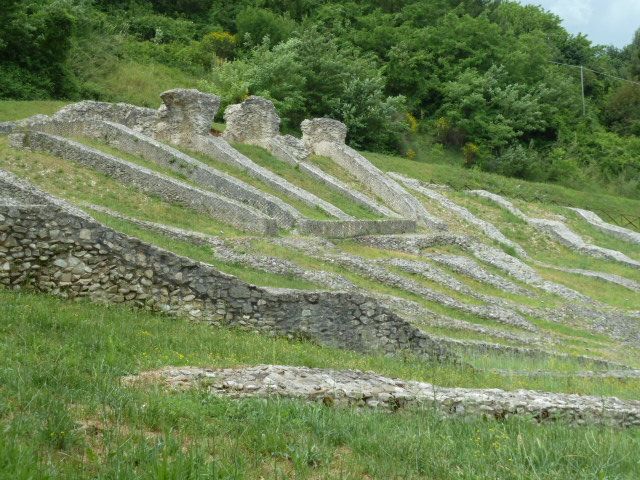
(254, 121)
(323, 130)
(186, 112)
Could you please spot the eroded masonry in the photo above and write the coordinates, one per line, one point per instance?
(390, 263)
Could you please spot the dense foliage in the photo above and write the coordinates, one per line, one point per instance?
(494, 80)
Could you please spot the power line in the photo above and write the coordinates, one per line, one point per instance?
(596, 72)
(582, 69)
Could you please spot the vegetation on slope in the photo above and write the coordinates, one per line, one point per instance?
(478, 82)
(64, 413)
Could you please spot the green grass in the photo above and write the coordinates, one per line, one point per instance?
(17, 109)
(205, 254)
(65, 414)
(138, 160)
(81, 184)
(139, 83)
(295, 176)
(307, 210)
(462, 179)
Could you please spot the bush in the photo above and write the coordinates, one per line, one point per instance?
(255, 24)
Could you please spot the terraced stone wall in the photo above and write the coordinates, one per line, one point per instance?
(57, 251)
(356, 228)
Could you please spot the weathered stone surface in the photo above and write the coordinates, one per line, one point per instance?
(615, 230)
(560, 232)
(186, 112)
(320, 130)
(254, 121)
(487, 228)
(135, 143)
(368, 389)
(126, 270)
(167, 188)
(325, 137)
(355, 228)
(220, 149)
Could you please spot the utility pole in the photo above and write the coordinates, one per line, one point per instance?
(584, 108)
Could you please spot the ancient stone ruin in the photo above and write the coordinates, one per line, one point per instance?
(396, 265)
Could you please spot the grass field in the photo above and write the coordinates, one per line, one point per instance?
(64, 414)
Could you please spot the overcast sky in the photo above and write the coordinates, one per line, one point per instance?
(605, 22)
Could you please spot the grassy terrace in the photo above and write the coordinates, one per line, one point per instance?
(64, 413)
(81, 184)
(462, 179)
(307, 210)
(300, 179)
(205, 254)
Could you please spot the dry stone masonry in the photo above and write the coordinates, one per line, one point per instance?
(367, 389)
(619, 232)
(55, 250)
(167, 188)
(256, 122)
(324, 136)
(560, 232)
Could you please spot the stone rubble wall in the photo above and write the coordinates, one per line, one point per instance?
(560, 232)
(350, 192)
(325, 137)
(615, 230)
(355, 228)
(607, 277)
(167, 188)
(487, 228)
(227, 253)
(222, 151)
(371, 270)
(472, 269)
(256, 122)
(368, 389)
(54, 251)
(135, 143)
(493, 256)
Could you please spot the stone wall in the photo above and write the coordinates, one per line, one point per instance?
(368, 389)
(355, 228)
(256, 122)
(167, 188)
(222, 151)
(135, 143)
(326, 137)
(56, 251)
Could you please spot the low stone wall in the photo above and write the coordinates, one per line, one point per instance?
(355, 228)
(167, 188)
(368, 389)
(560, 232)
(487, 228)
(220, 149)
(256, 122)
(347, 191)
(325, 137)
(55, 251)
(615, 230)
(135, 143)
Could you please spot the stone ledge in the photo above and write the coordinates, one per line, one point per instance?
(368, 389)
(355, 228)
(149, 181)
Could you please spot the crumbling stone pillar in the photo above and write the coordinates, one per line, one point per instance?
(186, 112)
(321, 130)
(254, 121)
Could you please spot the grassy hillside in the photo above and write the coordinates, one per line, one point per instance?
(64, 414)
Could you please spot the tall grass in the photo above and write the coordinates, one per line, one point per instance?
(64, 413)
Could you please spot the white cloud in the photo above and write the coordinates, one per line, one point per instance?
(607, 22)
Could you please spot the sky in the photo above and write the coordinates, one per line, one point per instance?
(605, 22)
